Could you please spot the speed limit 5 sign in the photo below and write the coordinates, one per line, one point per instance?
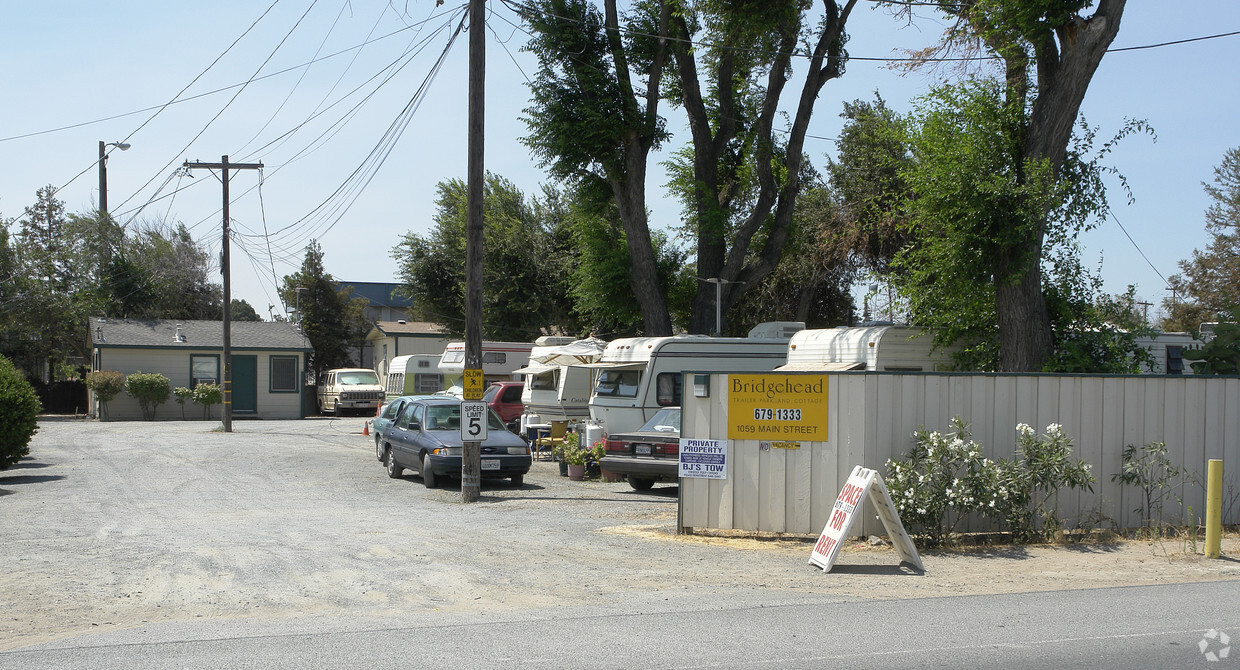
(473, 421)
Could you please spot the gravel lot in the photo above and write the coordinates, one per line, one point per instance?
(113, 525)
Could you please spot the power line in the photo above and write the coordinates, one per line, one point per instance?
(1137, 247)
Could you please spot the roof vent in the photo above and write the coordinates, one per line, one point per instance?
(401, 321)
(180, 336)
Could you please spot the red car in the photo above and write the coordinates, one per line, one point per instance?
(505, 399)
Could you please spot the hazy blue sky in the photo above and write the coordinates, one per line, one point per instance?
(80, 72)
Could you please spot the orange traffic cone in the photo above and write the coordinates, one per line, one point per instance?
(366, 428)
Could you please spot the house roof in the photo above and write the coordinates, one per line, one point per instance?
(379, 294)
(403, 327)
(162, 334)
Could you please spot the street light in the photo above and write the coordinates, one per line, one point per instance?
(103, 171)
(719, 301)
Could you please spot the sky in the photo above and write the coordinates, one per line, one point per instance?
(357, 110)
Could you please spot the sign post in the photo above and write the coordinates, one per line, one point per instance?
(852, 497)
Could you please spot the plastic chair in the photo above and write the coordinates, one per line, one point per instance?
(558, 429)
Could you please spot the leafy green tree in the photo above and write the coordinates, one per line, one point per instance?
(1209, 288)
(592, 127)
(746, 168)
(207, 395)
(597, 267)
(327, 319)
(524, 271)
(243, 311)
(1219, 356)
(1049, 53)
(812, 282)
(19, 414)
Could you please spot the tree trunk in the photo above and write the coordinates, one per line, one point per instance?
(1064, 72)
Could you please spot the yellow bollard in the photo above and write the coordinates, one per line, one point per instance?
(1214, 508)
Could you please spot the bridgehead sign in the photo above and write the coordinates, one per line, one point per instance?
(777, 407)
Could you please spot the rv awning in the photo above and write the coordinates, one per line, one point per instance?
(612, 366)
(534, 369)
(810, 366)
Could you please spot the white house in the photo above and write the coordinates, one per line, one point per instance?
(268, 363)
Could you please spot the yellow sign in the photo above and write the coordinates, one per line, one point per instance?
(777, 407)
(473, 384)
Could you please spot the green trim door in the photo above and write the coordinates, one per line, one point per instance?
(245, 384)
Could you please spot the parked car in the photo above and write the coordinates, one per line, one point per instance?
(426, 437)
(386, 415)
(648, 455)
(505, 399)
(349, 388)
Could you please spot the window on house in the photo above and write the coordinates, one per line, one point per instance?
(283, 374)
(204, 369)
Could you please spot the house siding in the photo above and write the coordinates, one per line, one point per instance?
(175, 365)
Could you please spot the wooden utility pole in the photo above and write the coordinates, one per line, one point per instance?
(471, 456)
(225, 269)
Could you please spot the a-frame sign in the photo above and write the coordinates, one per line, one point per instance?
(852, 497)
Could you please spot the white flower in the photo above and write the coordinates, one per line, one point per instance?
(992, 503)
(1024, 429)
(921, 510)
(1054, 429)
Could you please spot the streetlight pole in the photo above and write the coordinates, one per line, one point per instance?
(103, 171)
(719, 301)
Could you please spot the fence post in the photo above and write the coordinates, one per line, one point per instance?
(1214, 508)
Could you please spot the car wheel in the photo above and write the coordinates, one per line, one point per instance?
(518, 480)
(379, 448)
(640, 484)
(393, 468)
(428, 475)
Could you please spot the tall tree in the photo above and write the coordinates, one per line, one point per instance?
(1209, 288)
(326, 317)
(1049, 53)
(524, 277)
(592, 127)
(746, 171)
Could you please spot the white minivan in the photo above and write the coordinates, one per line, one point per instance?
(350, 389)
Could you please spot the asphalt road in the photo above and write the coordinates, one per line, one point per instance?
(284, 544)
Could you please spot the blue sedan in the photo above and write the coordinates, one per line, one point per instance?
(426, 437)
(386, 415)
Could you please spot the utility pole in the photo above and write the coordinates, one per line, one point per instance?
(225, 269)
(471, 453)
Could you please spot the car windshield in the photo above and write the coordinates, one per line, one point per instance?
(356, 378)
(664, 421)
(490, 394)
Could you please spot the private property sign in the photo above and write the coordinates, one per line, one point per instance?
(703, 459)
(777, 407)
(852, 497)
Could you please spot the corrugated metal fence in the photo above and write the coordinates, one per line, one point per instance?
(872, 416)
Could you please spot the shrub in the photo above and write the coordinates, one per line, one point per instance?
(150, 389)
(1149, 469)
(106, 384)
(208, 395)
(19, 414)
(183, 395)
(943, 478)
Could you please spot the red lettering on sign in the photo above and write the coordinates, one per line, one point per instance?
(837, 519)
(825, 544)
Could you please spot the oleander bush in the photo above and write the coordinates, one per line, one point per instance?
(106, 384)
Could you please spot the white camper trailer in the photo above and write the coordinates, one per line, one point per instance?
(909, 349)
(415, 374)
(875, 348)
(638, 376)
(557, 381)
(500, 360)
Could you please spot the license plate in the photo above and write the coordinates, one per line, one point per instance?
(490, 464)
(643, 450)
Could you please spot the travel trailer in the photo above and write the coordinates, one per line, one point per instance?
(557, 380)
(415, 374)
(889, 348)
(638, 376)
(500, 361)
(881, 348)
